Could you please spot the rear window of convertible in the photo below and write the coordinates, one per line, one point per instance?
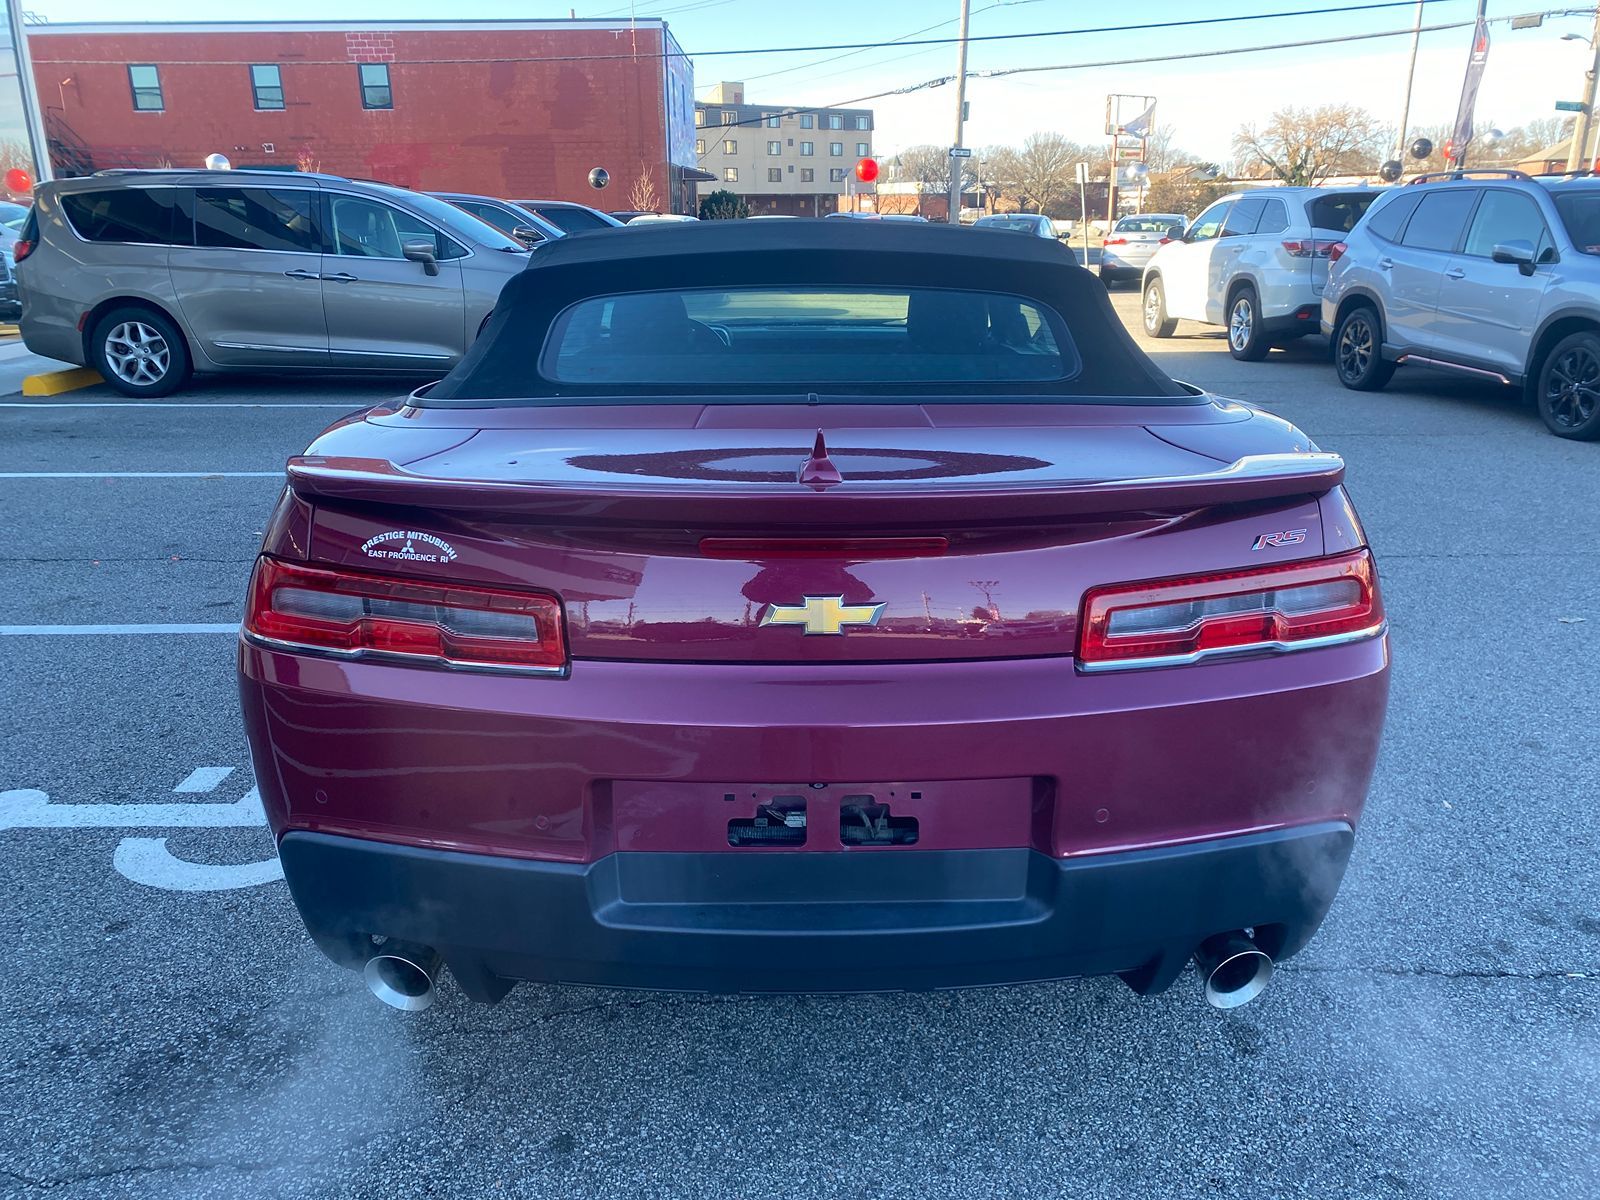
(806, 336)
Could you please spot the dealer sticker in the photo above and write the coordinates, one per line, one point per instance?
(415, 546)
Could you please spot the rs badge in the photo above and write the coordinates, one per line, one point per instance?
(822, 614)
(1284, 537)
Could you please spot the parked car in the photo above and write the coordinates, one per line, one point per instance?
(661, 218)
(12, 218)
(148, 276)
(1254, 262)
(1029, 223)
(626, 215)
(574, 218)
(1494, 275)
(708, 698)
(1133, 241)
(527, 228)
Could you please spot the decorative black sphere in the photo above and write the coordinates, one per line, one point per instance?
(599, 177)
(1421, 148)
(1390, 171)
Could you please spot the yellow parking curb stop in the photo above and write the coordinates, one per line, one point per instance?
(53, 383)
(9, 329)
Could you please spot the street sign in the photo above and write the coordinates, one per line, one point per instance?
(960, 151)
(1569, 105)
(1130, 151)
(1083, 173)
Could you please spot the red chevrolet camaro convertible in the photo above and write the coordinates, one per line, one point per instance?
(812, 606)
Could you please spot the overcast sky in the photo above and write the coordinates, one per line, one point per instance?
(1203, 100)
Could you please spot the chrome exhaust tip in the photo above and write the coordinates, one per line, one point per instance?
(403, 975)
(1234, 969)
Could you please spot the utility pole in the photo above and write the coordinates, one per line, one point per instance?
(1578, 155)
(961, 114)
(1411, 75)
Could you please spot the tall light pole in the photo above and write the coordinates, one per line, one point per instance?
(961, 114)
(1578, 153)
(1411, 75)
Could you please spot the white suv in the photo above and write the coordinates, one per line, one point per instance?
(1491, 274)
(1255, 262)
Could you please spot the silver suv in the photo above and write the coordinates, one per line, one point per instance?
(1255, 262)
(148, 276)
(1493, 274)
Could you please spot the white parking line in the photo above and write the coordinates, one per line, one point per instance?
(203, 779)
(141, 474)
(70, 630)
(148, 861)
(29, 808)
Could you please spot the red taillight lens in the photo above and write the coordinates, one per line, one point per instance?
(352, 613)
(1336, 252)
(1313, 248)
(1292, 606)
(1165, 238)
(1115, 242)
(20, 249)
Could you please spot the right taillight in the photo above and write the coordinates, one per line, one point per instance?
(1288, 606)
(1336, 252)
(352, 614)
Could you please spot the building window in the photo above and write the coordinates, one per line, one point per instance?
(791, 168)
(699, 116)
(837, 174)
(774, 147)
(699, 145)
(729, 118)
(774, 174)
(774, 120)
(808, 175)
(375, 89)
(835, 121)
(145, 81)
(730, 174)
(266, 83)
(730, 146)
(863, 149)
(807, 120)
(836, 149)
(863, 122)
(807, 149)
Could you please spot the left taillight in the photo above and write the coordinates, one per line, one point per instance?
(20, 249)
(353, 614)
(1289, 606)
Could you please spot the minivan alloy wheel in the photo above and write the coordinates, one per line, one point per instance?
(1240, 323)
(138, 353)
(1572, 387)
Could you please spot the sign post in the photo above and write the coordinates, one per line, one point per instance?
(1083, 208)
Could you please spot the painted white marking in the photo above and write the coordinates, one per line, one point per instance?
(69, 630)
(153, 404)
(29, 808)
(148, 861)
(141, 475)
(203, 779)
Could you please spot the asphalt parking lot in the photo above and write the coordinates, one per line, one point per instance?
(168, 1030)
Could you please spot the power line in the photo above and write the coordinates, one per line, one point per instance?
(1141, 27)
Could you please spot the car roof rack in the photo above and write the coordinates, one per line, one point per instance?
(1579, 173)
(1470, 172)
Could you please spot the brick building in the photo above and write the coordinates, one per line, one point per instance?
(520, 109)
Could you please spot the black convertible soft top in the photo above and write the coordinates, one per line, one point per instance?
(503, 364)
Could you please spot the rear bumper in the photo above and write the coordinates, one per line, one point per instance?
(778, 921)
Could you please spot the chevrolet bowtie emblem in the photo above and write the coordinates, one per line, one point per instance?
(822, 614)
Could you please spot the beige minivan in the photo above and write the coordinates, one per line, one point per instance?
(150, 276)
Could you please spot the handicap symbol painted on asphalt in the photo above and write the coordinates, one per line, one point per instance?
(146, 860)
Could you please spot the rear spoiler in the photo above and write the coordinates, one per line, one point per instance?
(1254, 477)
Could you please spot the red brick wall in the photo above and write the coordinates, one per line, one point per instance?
(471, 111)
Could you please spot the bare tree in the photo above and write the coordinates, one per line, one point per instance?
(1043, 173)
(1179, 192)
(642, 195)
(1161, 153)
(1304, 146)
(928, 167)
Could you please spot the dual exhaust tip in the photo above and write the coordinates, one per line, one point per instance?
(1234, 970)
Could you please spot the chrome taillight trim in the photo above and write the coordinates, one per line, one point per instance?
(392, 657)
(1273, 647)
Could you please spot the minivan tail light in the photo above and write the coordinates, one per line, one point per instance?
(1288, 606)
(1313, 248)
(20, 249)
(352, 614)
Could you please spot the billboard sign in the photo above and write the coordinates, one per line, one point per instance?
(679, 84)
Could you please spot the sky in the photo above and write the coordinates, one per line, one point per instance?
(1203, 100)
